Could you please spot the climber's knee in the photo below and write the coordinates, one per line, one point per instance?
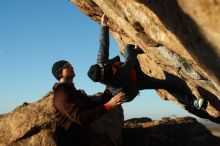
(127, 99)
(129, 96)
(129, 50)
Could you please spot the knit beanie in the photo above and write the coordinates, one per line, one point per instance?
(57, 68)
(100, 73)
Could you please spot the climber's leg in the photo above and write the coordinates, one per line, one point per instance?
(175, 86)
(129, 51)
(183, 93)
(147, 82)
(180, 86)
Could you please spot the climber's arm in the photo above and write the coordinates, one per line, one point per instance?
(103, 53)
(130, 57)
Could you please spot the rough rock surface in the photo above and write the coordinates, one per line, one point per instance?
(33, 125)
(180, 37)
(28, 124)
(171, 132)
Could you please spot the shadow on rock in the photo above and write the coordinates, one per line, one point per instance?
(176, 132)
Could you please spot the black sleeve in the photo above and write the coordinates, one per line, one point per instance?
(103, 53)
(130, 57)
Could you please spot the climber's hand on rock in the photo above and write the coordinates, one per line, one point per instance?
(116, 100)
(104, 20)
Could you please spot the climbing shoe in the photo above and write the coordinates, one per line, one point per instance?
(198, 103)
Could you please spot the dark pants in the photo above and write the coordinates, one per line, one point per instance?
(174, 85)
(74, 136)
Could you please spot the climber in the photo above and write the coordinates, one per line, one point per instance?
(128, 77)
(75, 110)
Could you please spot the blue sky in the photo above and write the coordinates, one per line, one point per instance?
(35, 34)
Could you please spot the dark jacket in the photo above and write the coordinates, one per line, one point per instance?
(121, 80)
(75, 111)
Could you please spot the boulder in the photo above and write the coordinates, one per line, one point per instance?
(167, 131)
(34, 125)
(179, 37)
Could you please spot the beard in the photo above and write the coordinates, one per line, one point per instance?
(70, 78)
